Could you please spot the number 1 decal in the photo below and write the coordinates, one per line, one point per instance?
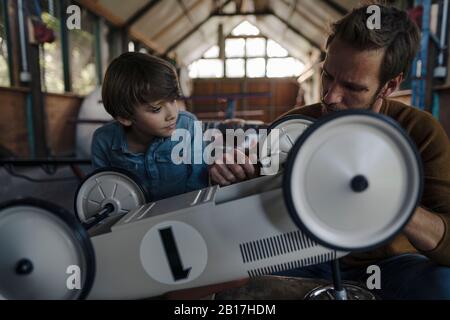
(172, 254)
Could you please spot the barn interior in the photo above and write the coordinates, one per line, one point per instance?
(240, 63)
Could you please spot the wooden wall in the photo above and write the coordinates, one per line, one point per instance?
(60, 110)
(283, 97)
(13, 121)
(283, 93)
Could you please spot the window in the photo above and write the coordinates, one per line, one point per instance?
(235, 68)
(256, 67)
(82, 55)
(206, 68)
(213, 52)
(255, 47)
(234, 48)
(210, 66)
(4, 67)
(247, 54)
(245, 29)
(283, 67)
(51, 62)
(275, 50)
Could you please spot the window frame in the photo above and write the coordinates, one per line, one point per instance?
(265, 56)
(246, 57)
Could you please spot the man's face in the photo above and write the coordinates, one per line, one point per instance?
(156, 119)
(350, 78)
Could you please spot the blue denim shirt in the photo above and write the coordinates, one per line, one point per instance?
(158, 173)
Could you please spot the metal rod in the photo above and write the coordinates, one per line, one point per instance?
(339, 290)
(51, 7)
(443, 33)
(65, 48)
(98, 49)
(30, 126)
(101, 215)
(108, 208)
(22, 37)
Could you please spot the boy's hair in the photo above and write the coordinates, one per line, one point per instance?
(136, 78)
(399, 36)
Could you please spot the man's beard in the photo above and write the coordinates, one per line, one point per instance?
(369, 107)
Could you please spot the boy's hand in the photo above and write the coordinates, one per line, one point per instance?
(225, 174)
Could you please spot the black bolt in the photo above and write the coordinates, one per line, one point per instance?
(359, 183)
(24, 267)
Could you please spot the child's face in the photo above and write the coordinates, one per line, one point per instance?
(156, 119)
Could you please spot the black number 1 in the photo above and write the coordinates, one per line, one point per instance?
(173, 256)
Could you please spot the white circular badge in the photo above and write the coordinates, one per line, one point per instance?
(173, 252)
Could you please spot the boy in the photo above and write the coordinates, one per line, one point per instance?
(140, 93)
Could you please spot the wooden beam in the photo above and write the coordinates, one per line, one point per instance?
(174, 21)
(124, 39)
(267, 13)
(98, 9)
(314, 43)
(303, 15)
(193, 30)
(140, 13)
(142, 37)
(336, 7)
(244, 14)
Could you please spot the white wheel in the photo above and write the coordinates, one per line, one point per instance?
(353, 180)
(108, 187)
(281, 137)
(42, 246)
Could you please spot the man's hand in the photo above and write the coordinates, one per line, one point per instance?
(425, 230)
(227, 171)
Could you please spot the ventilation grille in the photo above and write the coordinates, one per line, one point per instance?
(275, 246)
(321, 258)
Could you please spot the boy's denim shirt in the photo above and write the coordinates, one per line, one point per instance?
(157, 172)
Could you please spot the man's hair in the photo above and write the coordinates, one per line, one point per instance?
(399, 36)
(137, 78)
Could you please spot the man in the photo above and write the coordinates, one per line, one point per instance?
(361, 69)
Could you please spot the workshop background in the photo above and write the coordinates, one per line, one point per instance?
(241, 63)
